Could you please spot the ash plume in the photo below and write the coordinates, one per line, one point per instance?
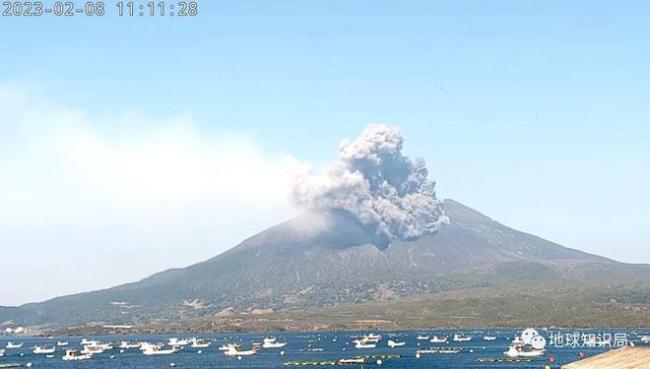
(373, 181)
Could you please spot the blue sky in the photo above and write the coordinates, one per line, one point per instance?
(535, 113)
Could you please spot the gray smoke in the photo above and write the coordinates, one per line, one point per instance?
(385, 190)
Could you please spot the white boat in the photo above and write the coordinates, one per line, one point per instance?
(179, 341)
(372, 337)
(461, 338)
(156, 350)
(199, 343)
(129, 345)
(644, 339)
(489, 338)
(225, 347)
(62, 343)
(11, 345)
(394, 344)
(529, 344)
(85, 342)
(271, 343)
(73, 355)
(235, 350)
(360, 344)
(355, 361)
(2, 352)
(40, 350)
(422, 337)
(438, 339)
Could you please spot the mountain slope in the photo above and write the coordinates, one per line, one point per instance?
(324, 259)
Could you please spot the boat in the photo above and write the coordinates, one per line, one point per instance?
(2, 352)
(129, 345)
(96, 348)
(644, 339)
(157, 350)
(461, 338)
(92, 350)
(489, 338)
(439, 339)
(394, 344)
(372, 337)
(360, 344)
(355, 361)
(11, 345)
(225, 347)
(271, 343)
(422, 337)
(73, 355)
(200, 343)
(529, 344)
(62, 343)
(235, 350)
(39, 350)
(85, 342)
(179, 341)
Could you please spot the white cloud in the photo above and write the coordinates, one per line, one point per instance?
(83, 187)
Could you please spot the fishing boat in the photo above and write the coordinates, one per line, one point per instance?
(129, 345)
(225, 347)
(394, 344)
(157, 350)
(422, 337)
(439, 339)
(73, 355)
(644, 339)
(489, 338)
(174, 341)
(529, 344)
(85, 342)
(11, 345)
(62, 343)
(372, 337)
(360, 344)
(235, 350)
(200, 343)
(355, 361)
(271, 343)
(44, 350)
(461, 338)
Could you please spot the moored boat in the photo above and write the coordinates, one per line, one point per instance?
(394, 344)
(529, 344)
(270, 343)
(459, 337)
(11, 345)
(200, 343)
(156, 350)
(44, 350)
(73, 355)
(439, 339)
(235, 350)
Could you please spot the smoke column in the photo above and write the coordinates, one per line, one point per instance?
(385, 190)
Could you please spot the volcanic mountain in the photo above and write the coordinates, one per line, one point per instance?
(329, 259)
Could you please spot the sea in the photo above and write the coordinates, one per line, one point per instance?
(320, 349)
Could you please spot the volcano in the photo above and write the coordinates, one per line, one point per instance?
(328, 260)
